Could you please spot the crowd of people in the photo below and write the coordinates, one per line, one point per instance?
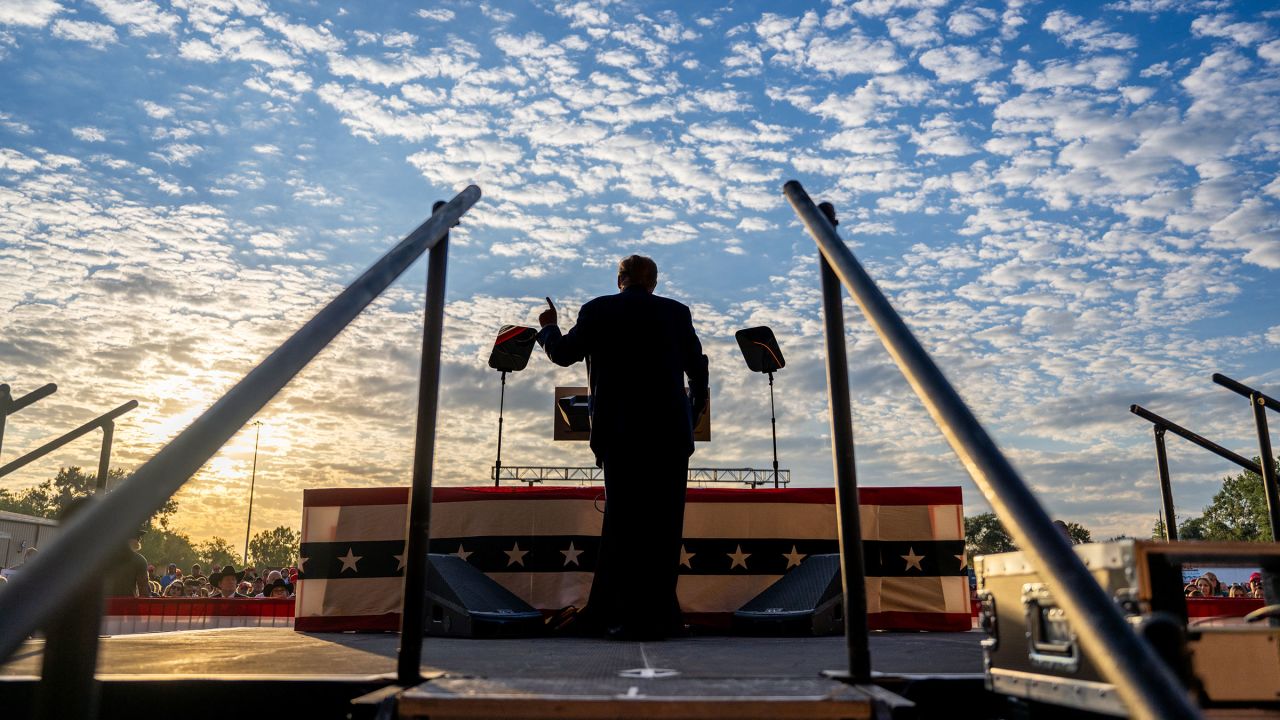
(132, 575)
(1208, 585)
(222, 581)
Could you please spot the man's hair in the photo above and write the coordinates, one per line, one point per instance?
(639, 271)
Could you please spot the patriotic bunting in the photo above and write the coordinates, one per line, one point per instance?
(542, 544)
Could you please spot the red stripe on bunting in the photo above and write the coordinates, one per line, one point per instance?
(327, 497)
(196, 607)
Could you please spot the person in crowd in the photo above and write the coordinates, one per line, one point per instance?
(255, 590)
(1204, 587)
(1255, 585)
(173, 590)
(128, 574)
(170, 573)
(277, 589)
(1215, 585)
(226, 582)
(191, 587)
(1237, 591)
(1191, 590)
(245, 589)
(196, 573)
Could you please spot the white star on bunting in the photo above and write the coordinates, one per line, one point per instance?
(349, 562)
(302, 564)
(515, 556)
(685, 557)
(571, 555)
(964, 560)
(913, 560)
(399, 561)
(793, 557)
(462, 552)
(738, 558)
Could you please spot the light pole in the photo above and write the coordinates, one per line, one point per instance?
(253, 476)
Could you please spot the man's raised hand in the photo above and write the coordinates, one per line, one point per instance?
(548, 316)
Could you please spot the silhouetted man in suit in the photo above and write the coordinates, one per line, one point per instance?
(639, 347)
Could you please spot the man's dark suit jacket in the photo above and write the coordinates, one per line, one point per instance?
(639, 347)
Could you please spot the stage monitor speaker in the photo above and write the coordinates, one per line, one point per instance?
(806, 601)
(512, 348)
(464, 602)
(760, 349)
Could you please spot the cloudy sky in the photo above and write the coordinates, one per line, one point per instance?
(1075, 205)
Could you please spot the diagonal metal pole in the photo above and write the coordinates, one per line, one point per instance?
(417, 539)
(1195, 438)
(1146, 685)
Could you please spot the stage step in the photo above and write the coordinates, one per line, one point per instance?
(646, 699)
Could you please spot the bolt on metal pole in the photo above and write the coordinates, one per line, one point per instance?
(417, 539)
(1146, 685)
(497, 464)
(1166, 488)
(853, 574)
(1267, 462)
(104, 456)
(253, 478)
(773, 425)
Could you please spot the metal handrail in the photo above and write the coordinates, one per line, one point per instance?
(91, 539)
(102, 421)
(1195, 438)
(1145, 684)
(9, 406)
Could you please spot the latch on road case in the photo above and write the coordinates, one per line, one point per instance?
(1051, 643)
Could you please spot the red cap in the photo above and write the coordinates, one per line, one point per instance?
(1255, 576)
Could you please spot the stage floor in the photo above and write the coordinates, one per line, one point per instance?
(281, 652)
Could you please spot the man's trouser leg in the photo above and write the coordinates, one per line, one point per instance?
(644, 520)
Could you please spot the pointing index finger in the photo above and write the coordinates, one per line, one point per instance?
(550, 304)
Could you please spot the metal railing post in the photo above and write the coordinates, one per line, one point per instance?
(1166, 488)
(1146, 685)
(848, 520)
(68, 689)
(416, 562)
(1268, 463)
(502, 400)
(90, 540)
(104, 455)
(1259, 402)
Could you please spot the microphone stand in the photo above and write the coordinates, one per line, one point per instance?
(773, 424)
(497, 465)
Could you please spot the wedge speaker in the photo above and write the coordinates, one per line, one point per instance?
(464, 602)
(806, 601)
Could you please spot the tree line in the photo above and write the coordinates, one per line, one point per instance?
(164, 543)
(1238, 511)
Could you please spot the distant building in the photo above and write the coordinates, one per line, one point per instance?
(19, 532)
